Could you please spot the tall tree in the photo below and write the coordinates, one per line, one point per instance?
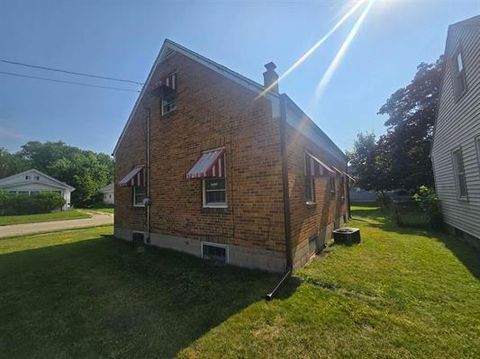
(411, 115)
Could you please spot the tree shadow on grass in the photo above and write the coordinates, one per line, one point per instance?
(466, 253)
(102, 298)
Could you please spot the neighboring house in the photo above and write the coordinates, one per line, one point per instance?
(456, 144)
(210, 164)
(107, 192)
(358, 195)
(33, 181)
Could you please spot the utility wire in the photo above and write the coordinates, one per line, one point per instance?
(67, 82)
(69, 72)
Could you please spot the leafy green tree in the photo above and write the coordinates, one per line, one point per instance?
(12, 163)
(87, 171)
(411, 115)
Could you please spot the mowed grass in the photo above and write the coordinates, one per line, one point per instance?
(401, 293)
(42, 217)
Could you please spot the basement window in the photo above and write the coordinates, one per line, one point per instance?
(138, 238)
(214, 252)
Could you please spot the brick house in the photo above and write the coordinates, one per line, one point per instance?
(218, 166)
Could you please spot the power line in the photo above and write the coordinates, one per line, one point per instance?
(69, 72)
(67, 82)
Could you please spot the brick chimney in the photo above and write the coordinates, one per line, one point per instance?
(270, 76)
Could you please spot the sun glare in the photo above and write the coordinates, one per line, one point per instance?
(310, 51)
(341, 52)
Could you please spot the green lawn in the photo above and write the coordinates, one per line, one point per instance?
(106, 209)
(42, 217)
(401, 293)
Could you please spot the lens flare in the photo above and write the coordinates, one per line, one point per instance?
(310, 51)
(341, 53)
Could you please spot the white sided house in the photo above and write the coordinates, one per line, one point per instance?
(108, 196)
(33, 181)
(456, 141)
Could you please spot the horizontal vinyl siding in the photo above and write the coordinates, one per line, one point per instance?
(458, 124)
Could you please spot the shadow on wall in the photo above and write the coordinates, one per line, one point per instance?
(101, 298)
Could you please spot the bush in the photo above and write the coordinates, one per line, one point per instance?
(43, 202)
(429, 203)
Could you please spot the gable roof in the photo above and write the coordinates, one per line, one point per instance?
(5, 180)
(169, 47)
(453, 29)
(107, 188)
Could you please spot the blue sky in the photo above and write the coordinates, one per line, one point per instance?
(122, 38)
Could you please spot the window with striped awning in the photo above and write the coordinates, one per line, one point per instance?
(211, 164)
(134, 178)
(315, 167)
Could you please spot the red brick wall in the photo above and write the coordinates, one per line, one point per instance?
(307, 220)
(212, 111)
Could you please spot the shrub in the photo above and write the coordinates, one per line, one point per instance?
(429, 203)
(12, 203)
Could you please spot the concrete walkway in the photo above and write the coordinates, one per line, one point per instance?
(97, 219)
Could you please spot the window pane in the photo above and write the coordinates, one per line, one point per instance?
(309, 185)
(459, 161)
(459, 62)
(215, 197)
(139, 195)
(462, 185)
(214, 184)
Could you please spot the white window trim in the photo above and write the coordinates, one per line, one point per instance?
(219, 245)
(213, 205)
(312, 200)
(477, 146)
(175, 88)
(133, 199)
(456, 174)
(456, 73)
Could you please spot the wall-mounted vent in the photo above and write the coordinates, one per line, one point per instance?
(217, 253)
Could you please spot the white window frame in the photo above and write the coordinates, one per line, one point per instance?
(204, 196)
(218, 245)
(309, 197)
(457, 174)
(477, 146)
(170, 81)
(457, 73)
(332, 183)
(134, 198)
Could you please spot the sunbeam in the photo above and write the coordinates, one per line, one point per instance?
(341, 53)
(314, 47)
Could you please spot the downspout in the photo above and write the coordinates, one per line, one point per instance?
(147, 176)
(348, 194)
(286, 199)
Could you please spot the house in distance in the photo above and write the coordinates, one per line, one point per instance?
(33, 181)
(214, 164)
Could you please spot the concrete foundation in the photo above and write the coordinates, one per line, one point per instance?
(238, 256)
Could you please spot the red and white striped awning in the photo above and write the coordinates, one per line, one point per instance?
(340, 172)
(317, 167)
(134, 178)
(211, 164)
